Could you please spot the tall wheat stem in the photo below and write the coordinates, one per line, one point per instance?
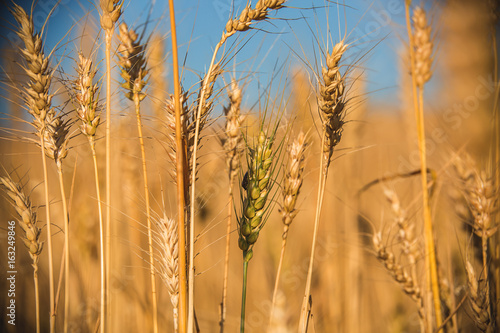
(244, 293)
(226, 259)
(305, 310)
(37, 297)
(431, 264)
(276, 283)
(148, 212)
(180, 177)
(108, 38)
(102, 325)
(49, 237)
(66, 248)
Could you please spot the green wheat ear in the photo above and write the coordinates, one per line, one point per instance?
(257, 191)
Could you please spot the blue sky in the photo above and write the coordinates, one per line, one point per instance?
(371, 28)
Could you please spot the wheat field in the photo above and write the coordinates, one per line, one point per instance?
(261, 166)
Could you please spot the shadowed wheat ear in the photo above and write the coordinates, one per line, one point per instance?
(399, 273)
(420, 63)
(38, 100)
(232, 146)
(110, 13)
(332, 105)
(291, 189)
(28, 222)
(86, 95)
(168, 240)
(133, 70)
(482, 199)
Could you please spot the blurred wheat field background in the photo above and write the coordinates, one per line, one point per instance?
(266, 165)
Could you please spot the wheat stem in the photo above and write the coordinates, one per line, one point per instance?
(49, 237)
(433, 283)
(276, 282)
(226, 259)
(66, 247)
(148, 212)
(180, 176)
(244, 292)
(305, 310)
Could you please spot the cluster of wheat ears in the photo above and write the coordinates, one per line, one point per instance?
(269, 183)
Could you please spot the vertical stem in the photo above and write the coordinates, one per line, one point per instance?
(49, 236)
(109, 34)
(226, 261)
(37, 296)
(66, 247)
(432, 280)
(148, 212)
(304, 314)
(276, 283)
(428, 228)
(244, 294)
(180, 178)
(101, 235)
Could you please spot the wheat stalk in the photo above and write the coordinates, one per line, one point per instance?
(133, 71)
(232, 147)
(331, 104)
(86, 95)
(28, 223)
(110, 13)
(291, 189)
(420, 60)
(38, 100)
(247, 17)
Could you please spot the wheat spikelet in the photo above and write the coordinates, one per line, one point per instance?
(169, 261)
(423, 47)
(111, 11)
(332, 101)
(249, 14)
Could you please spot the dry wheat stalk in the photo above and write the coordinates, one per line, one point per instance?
(169, 262)
(133, 69)
(291, 189)
(28, 222)
(331, 104)
(110, 13)
(38, 100)
(232, 146)
(86, 95)
(423, 47)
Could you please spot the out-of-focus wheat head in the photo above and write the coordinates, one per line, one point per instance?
(233, 138)
(423, 47)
